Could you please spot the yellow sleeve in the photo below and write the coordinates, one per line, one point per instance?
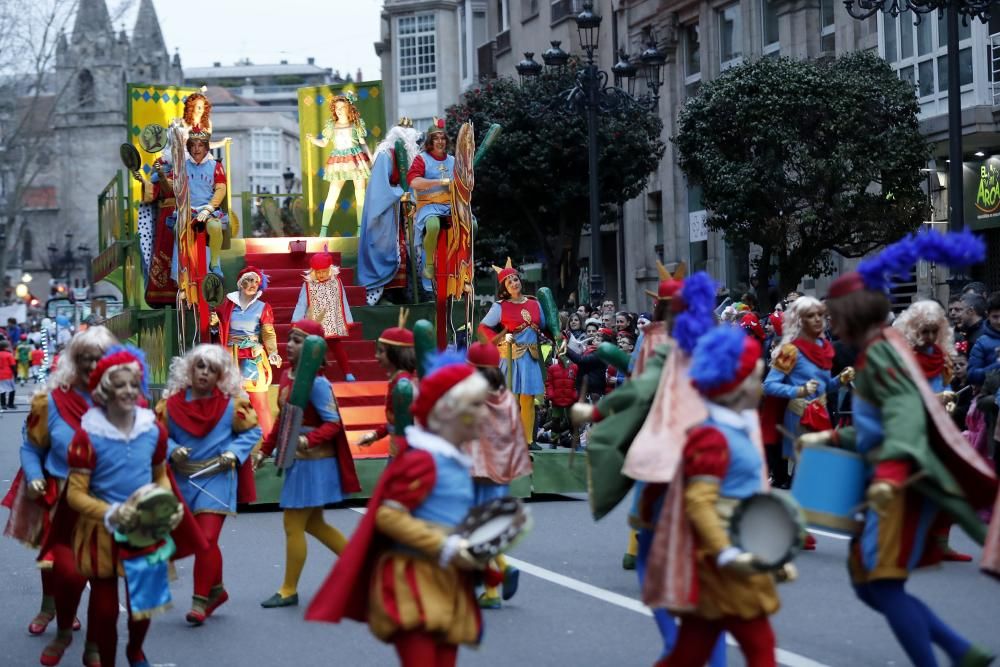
(268, 338)
(218, 196)
(161, 412)
(160, 476)
(79, 498)
(786, 358)
(37, 424)
(700, 497)
(401, 526)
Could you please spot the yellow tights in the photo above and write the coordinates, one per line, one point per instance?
(527, 405)
(633, 543)
(298, 522)
(501, 564)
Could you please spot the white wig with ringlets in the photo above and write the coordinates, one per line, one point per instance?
(218, 358)
(65, 376)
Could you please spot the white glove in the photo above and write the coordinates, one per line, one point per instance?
(575, 344)
(36, 488)
(274, 359)
(508, 338)
(180, 454)
(204, 214)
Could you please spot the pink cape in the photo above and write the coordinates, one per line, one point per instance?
(501, 453)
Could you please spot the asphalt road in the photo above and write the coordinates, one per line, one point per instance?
(576, 606)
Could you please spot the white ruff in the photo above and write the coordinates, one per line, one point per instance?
(95, 422)
(418, 438)
(235, 298)
(742, 420)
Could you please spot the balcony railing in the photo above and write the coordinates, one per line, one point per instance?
(503, 42)
(563, 9)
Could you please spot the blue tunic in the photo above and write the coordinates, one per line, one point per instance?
(221, 438)
(786, 385)
(378, 246)
(314, 482)
(53, 459)
(433, 169)
(123, 463)
(453, 495)
(743, 476)
(526, 377)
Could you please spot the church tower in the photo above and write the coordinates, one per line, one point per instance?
(149, 60)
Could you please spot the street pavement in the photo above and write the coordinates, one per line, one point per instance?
(576, 606)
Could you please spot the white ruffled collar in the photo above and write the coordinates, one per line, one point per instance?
(235, 298)
(418, 438)
(729, 417)
(95, 422)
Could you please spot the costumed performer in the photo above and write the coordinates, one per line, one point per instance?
(722, 465)
(394, 352)
(211, 430)
(197, 118)
(156, 235)
(322, 473)
(404, 573)
(516, 323)
(925, 326)
(499, 456)
(430, 176)
(349, 160)
(382, 243)
(119, 448)
(922, 464)
(324, 299)
(40, 516)
(640, 428)
(244, 324)
(800, 375)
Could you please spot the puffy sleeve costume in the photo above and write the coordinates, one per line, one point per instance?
(525, 321)
(796, 364)
(249, 335)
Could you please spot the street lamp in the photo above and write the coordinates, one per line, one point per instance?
(591, 95)
(289, 177)
(863, 9)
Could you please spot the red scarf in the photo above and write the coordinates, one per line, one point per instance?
(197, 416)
(931, 362)
(70, 405)
(821, 355)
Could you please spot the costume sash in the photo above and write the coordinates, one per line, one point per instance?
(931, 362)
(821, 355)
(198, 416)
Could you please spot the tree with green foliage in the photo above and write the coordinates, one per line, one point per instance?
(531, 192)
(806, 158)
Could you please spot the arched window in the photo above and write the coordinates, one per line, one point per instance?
(27, 246)
(85, 88)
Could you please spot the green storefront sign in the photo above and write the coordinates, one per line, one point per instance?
(981, 187)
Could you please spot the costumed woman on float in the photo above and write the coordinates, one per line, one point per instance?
(324, 299)
(516, 323)
(322, 471)
(922, 465)
(212, 429)
(404, 573)
(40, 515)
(499, 456)
(120, 448)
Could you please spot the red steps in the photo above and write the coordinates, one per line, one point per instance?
(362, 408)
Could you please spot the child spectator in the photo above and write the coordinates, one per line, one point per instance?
(985, 354)
(7, 366)
(37, 358)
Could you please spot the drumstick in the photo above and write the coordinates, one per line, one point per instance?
(912, 479)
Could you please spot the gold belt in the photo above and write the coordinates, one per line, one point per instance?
(188, 468)
(799, 405)
(517, 350)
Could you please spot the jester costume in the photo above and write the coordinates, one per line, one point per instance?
(325, 301)
(921, 466)
(208, 427)
(322, 473)
(398, 573)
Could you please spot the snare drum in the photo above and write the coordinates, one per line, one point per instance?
(495, 527)
(771, 526)
(830, 484)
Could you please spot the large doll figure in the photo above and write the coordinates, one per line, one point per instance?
(349, 160)
(324, 300)
(515, 323)
(211, 429)
(430, 177)
(404, 573)
(155, 234)
(246, 327)
(921, 465)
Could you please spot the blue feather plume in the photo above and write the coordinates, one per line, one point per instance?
(716, 357)
(897, 260)
(447, 358)
(698, 317)
(264, 281)
(138, 354)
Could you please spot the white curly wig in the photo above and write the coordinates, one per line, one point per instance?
(65, 376)
(920, 314)
(454, 401)
(218, 358)
(791, 321)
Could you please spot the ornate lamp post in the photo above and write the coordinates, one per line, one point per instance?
(591, 95)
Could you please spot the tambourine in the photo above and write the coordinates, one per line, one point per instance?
(495, 527)
(130, 157)
(771, 526)
(154, 507)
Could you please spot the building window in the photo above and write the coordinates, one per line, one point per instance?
(27, 245)
(827, 27)
(417, 60)
(265, 151)
(85, 88)
(529, 9)
(730, 36)
(769, 27)
(918, 53)
(692, 60)
(463, 39)
(503, 16)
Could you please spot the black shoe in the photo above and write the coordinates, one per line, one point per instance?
(534, 447)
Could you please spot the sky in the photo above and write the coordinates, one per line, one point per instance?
(339, 34)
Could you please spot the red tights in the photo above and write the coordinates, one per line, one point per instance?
(66, 585)
(102, 622)
(261, 405)
(208, 563)
(422, 649)
(339, 354)
(697, 636)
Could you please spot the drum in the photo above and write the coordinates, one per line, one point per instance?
(154, 510)
(770, 526)
(495, 527)
(830, 484)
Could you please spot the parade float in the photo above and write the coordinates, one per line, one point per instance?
(176, 244)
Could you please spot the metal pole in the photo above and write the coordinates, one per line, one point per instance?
(596, 279)
(956, 205)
